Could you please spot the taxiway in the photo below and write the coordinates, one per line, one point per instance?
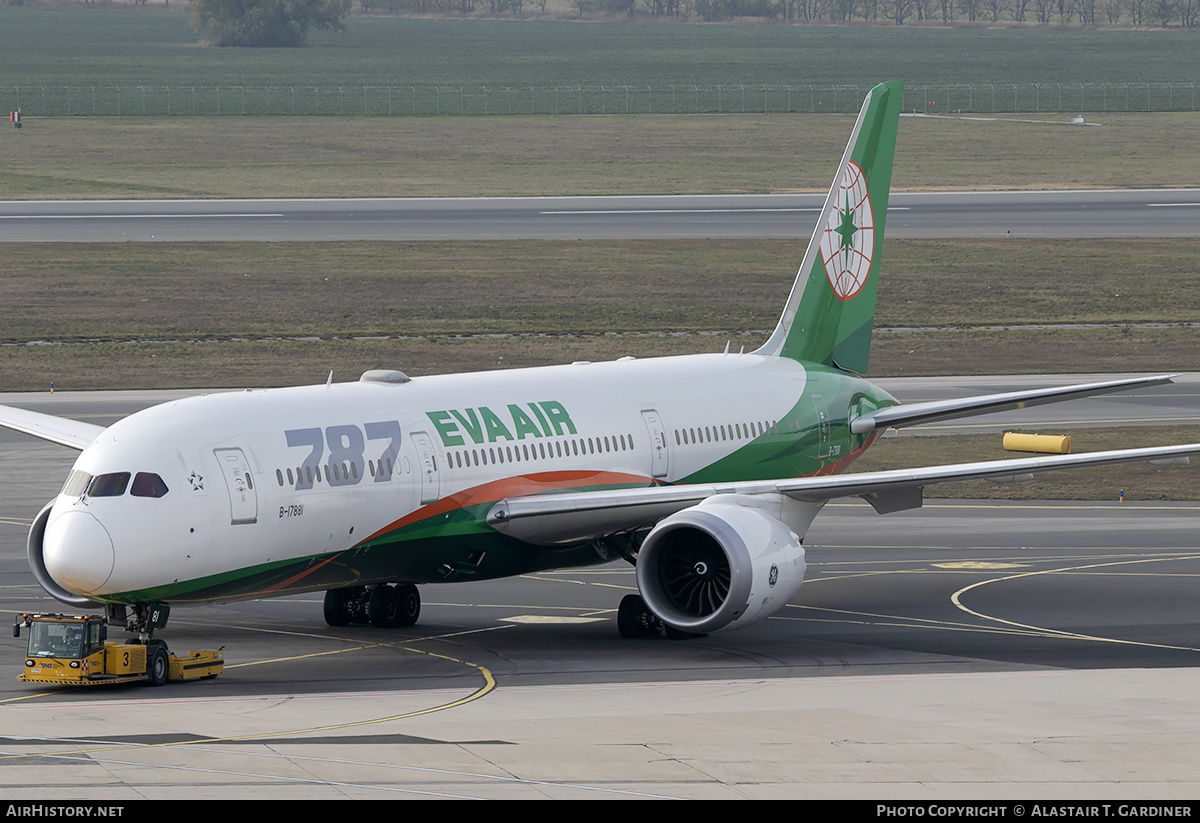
(968, 649)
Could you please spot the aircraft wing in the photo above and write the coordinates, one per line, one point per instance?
(912, 414)
(71, 433)
(558, 518)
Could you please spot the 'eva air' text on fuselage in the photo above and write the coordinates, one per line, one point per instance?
(548, 418)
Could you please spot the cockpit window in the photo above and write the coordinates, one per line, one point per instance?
(77, 483)
(108, 485)
(146, 484)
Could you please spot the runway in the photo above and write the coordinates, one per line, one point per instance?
(968, 649)
(1079, 214)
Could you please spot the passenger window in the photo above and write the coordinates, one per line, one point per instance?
(108, 485)
(146, 484)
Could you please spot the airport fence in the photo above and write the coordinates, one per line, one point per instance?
(398, 99)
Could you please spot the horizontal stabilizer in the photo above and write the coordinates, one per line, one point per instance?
(913, 414)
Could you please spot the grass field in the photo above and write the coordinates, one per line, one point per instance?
(72, 292)
(280, 314)
(270, 361)
(107, 48)
(319, 157)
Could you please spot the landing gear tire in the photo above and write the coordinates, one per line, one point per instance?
(410, 604)
(158, 666)
(383, 608)
(635, 620)
(338, 606)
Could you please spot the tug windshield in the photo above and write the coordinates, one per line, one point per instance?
(64, 640)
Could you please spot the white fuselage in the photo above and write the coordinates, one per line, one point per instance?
(260, 478)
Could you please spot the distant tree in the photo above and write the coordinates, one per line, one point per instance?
(896, 11)
(265, 22)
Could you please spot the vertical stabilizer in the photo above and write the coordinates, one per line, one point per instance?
(831, 309)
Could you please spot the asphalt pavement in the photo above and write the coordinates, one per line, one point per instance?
(1111, 213)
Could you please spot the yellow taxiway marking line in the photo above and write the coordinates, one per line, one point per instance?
(546, 579)
(956, 599)
(26, 697)
(489, 685)
(978, 565)
(872, 619)
(538, 619)
(305, 656)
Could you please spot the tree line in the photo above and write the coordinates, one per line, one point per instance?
(1136, 13)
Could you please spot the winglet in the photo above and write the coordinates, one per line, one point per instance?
(831, 310)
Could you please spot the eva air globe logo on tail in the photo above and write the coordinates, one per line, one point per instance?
(848, 243)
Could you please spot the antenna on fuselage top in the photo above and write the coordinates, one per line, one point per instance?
(329, 379)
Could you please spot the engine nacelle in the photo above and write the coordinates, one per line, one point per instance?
(37, 563)
(725, 563)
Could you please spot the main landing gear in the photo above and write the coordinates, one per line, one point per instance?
(383, 606)
(635, 620)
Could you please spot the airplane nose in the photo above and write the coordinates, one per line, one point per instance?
(77, 552)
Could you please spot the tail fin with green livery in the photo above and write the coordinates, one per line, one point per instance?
(831, 310)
